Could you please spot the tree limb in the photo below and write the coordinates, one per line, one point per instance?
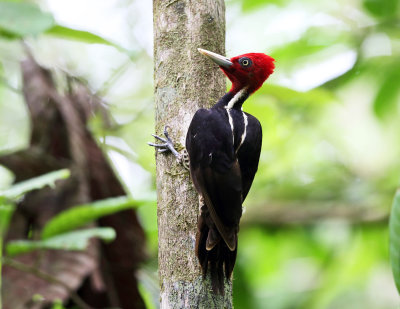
(297, 213)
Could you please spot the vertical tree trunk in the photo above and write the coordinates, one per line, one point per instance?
(184, 81)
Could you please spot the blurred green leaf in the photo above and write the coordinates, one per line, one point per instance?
(39, 182)
(77, 240)
(6, 210)
(148, 287)
(305, 49)
(146, 296)
(249, 5)
(290, 134)
(85, 37)
(385, 100)
(394, 237)
(58, 304)
(83, 214)
(20, 19)
(77, 35)
(381, 8)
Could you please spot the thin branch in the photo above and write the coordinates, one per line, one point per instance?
(300, 214)
(110, 82)
(47, 277)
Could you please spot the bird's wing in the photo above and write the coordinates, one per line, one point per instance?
(223, 196)
(249, 153)
(216, 174)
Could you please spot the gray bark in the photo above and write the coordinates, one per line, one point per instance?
(184, 81)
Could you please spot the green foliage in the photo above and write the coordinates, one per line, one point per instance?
(387, 96)
(81, 36)
(66, 221)
(149, 286)
(147, 297)
(309, 157)
(250, 5)
(49, 179)
(308, 48)
(394, 230)
(382, 8)
(58, 305)
(308, 267)
(20, 19)
(77, 35)
(290, 122)
(76, 240)
(6, 211)
(7, 197)
(83, 214)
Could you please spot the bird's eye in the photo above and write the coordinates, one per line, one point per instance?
(245, 62)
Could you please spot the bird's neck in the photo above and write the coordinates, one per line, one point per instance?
(233, 99)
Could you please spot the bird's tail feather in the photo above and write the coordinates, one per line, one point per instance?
(219, 261)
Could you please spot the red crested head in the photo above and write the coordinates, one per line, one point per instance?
(249, 70)
(245, 71)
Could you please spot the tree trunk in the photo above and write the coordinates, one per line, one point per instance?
(184, 81)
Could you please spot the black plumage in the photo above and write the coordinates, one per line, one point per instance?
(224, 147)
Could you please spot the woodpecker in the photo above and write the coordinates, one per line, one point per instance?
(223, 144)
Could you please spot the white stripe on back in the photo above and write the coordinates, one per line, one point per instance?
(231, 123)
(246, 122)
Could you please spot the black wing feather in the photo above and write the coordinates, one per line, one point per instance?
(223, 178)
(215, 171)
(249, 153)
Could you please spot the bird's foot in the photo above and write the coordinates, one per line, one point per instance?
(167, 145)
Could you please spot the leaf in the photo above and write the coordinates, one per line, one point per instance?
(385, 100)
(83, 36)
(250, 5)
(315, 44)
(83, 214)
(381, 8)
(20, 19)
(148, 287)
(76, 240)
(58, 305)
(39, 182)
(6, 211)
(77, 35)
(394, 239)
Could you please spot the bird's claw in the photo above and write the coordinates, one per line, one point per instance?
(160, 138)
(167, 145)
(160, 147)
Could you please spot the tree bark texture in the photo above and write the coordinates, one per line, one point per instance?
(184, 81)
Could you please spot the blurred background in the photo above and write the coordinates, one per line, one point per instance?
(314, 233)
